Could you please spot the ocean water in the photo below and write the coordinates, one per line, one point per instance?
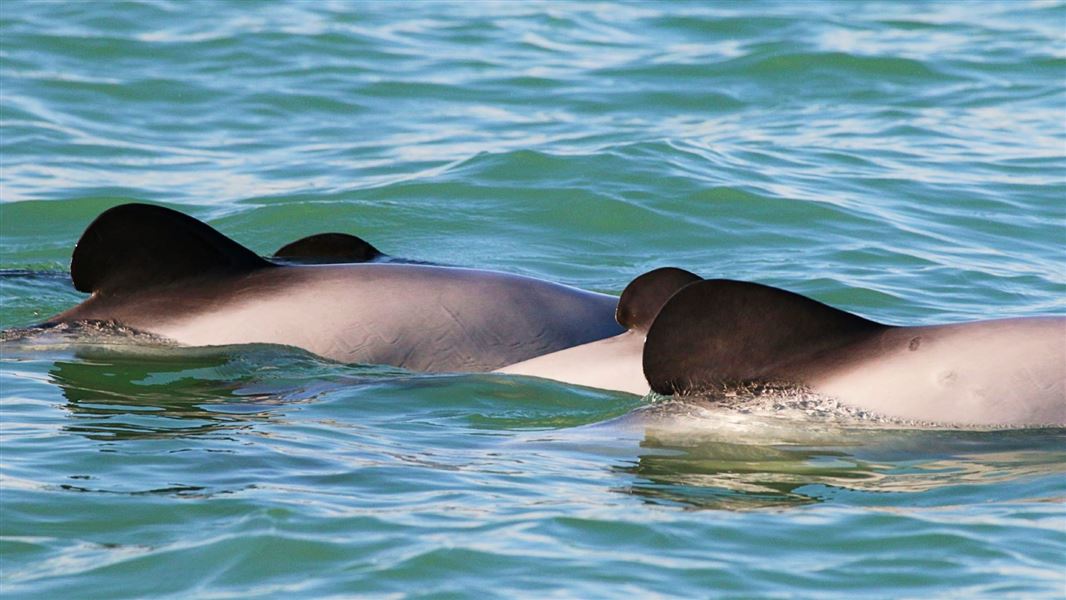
(902, 160)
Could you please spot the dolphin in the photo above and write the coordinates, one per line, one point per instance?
(671, 332)
(709, 337)
(614, 363)
(159, 271)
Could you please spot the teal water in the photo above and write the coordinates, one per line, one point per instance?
(905, 161)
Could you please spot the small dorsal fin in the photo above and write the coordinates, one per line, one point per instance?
(719, 332)
(329, 248)
(136, 246)
(644, 296)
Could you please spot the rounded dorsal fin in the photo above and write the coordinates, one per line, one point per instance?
(136, 246)
(718, 332)
(329, 248)
(644, 296)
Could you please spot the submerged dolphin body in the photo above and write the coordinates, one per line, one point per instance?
(614, 363)
(162, 272)
(712, 336)
(159, 271)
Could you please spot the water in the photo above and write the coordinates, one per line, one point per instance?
(904, 161)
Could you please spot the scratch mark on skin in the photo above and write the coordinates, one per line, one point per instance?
(947, 378)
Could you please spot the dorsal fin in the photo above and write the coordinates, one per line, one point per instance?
(718, 332)
(329, 248)
(136, 246)
(645, 295)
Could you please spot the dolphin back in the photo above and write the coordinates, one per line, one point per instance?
(642, 299)
(718, 333)
(136, 246)
(329, 248)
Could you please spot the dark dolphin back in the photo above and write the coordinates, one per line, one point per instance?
(137, 246)
(718, 333)
(329, 248)
(644, 296)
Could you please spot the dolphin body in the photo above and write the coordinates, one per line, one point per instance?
(162, 272)
(710, 337)
(671, 332)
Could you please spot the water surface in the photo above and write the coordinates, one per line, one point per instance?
(904, 161)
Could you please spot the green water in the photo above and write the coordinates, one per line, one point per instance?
(905, 161)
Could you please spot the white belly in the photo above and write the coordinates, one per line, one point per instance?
(1008, 372)
(610, 364)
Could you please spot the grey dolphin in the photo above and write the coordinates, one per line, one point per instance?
(614, 363)
(713, 336)
(163, 272)
(717, 333)
(329, 248)
(159, 271)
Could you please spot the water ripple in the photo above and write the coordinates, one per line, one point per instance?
(901, 161)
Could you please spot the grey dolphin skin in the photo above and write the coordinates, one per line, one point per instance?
(162, 272)
(710, 337)
(716, 333)
(159, 271)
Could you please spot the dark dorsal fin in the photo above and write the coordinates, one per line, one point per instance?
(136, 246)
(718, 332)
(645, 295)
(329, 248)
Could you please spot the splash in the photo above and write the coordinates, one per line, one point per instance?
(773, 407)
(81, 332)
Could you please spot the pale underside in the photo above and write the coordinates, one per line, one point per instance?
(423, 318)
(432, 318)
(1003, 372)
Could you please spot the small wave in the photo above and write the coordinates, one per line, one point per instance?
(33, 274)
(93, 332)
(768, 408)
